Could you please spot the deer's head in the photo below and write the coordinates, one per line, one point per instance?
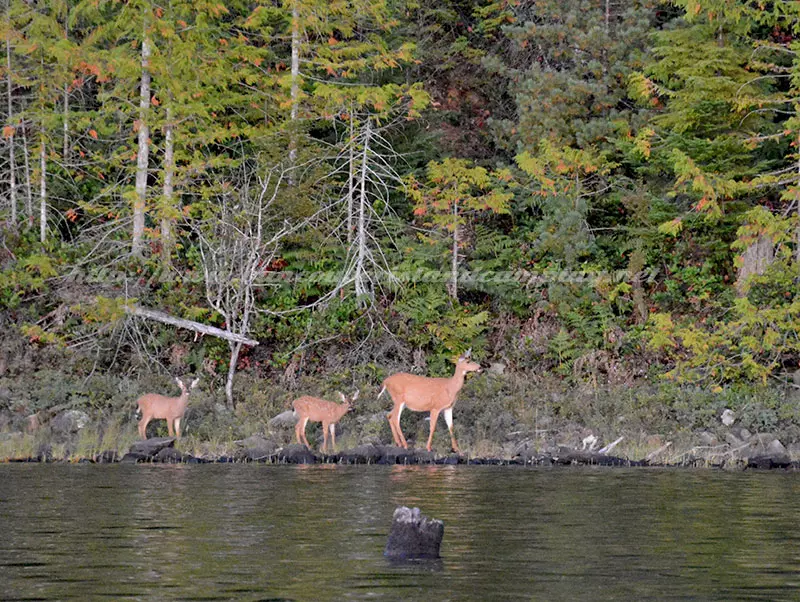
(348, 403)
(184, 389)
(465, 364)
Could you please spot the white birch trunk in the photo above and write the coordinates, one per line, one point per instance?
(28, 184)
(12, 167)
(65, 143)
(295, 91)
(169, 171)
(142, 156)
(351, 180)
(43, 190)
(361, 234)
(454, 261)
(797, 230)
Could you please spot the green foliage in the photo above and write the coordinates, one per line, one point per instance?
(596, 167)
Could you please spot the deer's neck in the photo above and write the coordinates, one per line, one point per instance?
(456, 382)
(183, 400)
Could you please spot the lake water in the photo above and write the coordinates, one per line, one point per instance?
(255, 532)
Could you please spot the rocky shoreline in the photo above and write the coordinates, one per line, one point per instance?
(162, 450)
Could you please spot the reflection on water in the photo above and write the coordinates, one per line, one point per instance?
(318, 533)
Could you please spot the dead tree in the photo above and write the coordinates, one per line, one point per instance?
(237, 243)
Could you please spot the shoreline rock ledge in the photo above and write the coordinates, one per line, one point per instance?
(413, 535)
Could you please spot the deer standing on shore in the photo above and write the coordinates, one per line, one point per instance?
(155, 406)
(424, 394)
(320, 410)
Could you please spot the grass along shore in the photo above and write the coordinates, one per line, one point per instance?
(495, 416)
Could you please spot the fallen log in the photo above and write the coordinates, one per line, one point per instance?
(158, 316)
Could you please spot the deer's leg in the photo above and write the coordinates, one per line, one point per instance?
(448, 418)
(143, 426)
(333, 435)
(178, 427)
(325, 426)
(299, 425)
(394, 422)
(303, 432)
(434, 418)
(169, 427)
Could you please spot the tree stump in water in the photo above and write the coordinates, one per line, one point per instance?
(413, 535)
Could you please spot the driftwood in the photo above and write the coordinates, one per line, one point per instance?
(213, 331)
(610, 446)
(654, 454)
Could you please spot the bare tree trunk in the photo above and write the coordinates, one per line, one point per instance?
(351, 179)
(28, 185)
(453, 288)
(169, 170)
(608, 13)
(43, 189)
(361, 234)
(65, 150)
(235, 350)
(755, 260)
(12, 167)
(797, 230)
(295, 91)
(142, 156)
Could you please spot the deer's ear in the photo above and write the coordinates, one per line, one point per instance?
(355, 395)
(468, 353)
(180, 382)
(195, 382)
(341, 395)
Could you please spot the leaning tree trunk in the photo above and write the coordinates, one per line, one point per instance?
(142, 156)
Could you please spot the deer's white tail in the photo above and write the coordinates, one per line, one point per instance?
(381, 393)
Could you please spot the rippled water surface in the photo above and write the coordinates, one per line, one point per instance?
(222, 532)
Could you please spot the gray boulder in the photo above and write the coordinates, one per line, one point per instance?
(284, 420)
(170, 455)
(392, 454)
(150, 447)
(413, 535)
(134, 458)
(296, 454)
(363, 454)
(69, 422)
(255, 449)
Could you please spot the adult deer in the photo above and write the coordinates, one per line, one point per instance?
(423, 394)
(159, 407)
(320, 410)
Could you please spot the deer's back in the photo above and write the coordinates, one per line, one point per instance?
(412, 389)
(315, 408)
(159, 405)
